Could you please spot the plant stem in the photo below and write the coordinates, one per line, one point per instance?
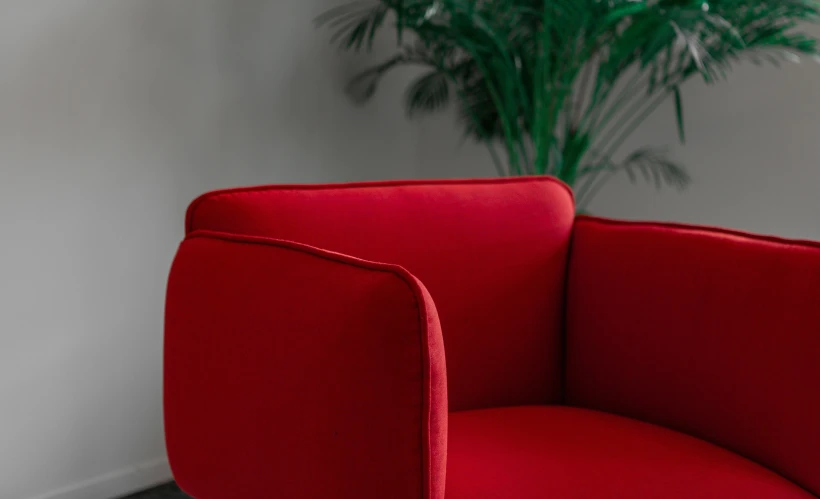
(525, 155)
(539, 125)
(499, 166)
(590, 178)
(588, 191)
(580, 97)
(585, 197)
(636, 122)
(515, 167)
(626, 95)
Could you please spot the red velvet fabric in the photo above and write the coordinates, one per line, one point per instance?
(714, 333)
(491, 252)
(297, 366)
(296, 372)
(569, 453)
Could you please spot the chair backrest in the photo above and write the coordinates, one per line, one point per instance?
(492, 253)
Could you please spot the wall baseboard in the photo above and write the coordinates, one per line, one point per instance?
(116, 483)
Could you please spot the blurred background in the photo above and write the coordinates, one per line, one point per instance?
(115, 114)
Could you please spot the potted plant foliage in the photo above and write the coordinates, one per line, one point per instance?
(559, 85)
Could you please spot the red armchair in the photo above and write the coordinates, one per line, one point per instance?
(307, 329)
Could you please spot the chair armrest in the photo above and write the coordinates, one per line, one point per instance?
(711, 332)
(296, 372)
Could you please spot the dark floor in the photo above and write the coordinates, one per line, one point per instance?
(168, 491)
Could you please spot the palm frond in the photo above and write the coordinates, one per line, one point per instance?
(363, 86)
(655, 166)
(652, 165)
(354, 24)
(429, 93)
(478, 115)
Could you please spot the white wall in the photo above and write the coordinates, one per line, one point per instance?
(113, 115)
(753, 148)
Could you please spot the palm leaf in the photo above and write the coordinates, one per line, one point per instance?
(363, 86)
(679, 113)
(655, 166)
(430, 92)
(355, 24)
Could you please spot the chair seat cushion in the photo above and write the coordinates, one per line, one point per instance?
(563, 452)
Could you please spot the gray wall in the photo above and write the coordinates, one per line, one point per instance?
(113, 115)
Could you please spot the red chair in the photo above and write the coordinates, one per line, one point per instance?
(307, 330)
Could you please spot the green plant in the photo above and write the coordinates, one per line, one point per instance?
(561, 84)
